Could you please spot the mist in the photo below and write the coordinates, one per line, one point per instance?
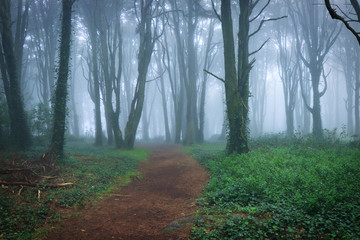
(177, 92)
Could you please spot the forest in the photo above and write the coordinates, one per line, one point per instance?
(237, 119)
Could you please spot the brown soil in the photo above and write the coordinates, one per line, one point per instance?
(171, 181)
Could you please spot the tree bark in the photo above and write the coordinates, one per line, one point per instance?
(59, 105)
(236, 137)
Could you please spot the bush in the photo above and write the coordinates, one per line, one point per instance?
(282, 191)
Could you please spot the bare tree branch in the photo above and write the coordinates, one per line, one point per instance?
(262, 45)
(325, 80)
(216, 13)
(334, 15)
(219, 78)
(262, 23)
(260, 12)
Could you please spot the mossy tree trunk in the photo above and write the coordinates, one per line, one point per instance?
(20, 132)
(60, 98)
(236, 83)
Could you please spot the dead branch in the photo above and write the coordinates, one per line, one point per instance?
(36, 184)
(219, 78)
(260, 12)
(262, 23)
(334, 15)
(10, 171)
(262, 45)
(216, 13)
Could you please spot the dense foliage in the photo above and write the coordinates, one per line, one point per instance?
(94, 172)
(285, 188)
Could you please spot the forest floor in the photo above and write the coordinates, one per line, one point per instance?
(151, 207)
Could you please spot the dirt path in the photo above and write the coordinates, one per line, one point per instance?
(142, 210)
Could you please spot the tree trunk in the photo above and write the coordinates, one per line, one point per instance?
(20, 34)
(316, 108)
(97, 101)
(20, 132)
(233, 95)
(243, 71)
(163, 98)
(357, 95)
(59, 108)
(191, 88)
(207, 65)
(111, 47)
(89, 15)
(145, 52)
(289, 121)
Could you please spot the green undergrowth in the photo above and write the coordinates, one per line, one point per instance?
(283, 189)
(94, 171)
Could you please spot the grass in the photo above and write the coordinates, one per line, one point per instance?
(283, 189)
(94, 171)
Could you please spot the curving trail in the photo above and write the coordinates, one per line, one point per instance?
(171, 182)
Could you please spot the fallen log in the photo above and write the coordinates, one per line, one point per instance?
(36, 184)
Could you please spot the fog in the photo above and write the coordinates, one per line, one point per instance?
(186, 39)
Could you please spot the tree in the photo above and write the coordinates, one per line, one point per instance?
(20, 132)
(318, 37)
(147, 41)
(349, 24)
(210, 52)
(357, 94)
(177, 85)
(59, 106)
(288, 71)
(234, 87)
(347, 56)
(43, 43)
(159, 61)
(20, 34)
(192, 74)
(111, 66)
(89, 13)
(237, 72)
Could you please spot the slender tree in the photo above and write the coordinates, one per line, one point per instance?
(60, 97)
(111, 67)
(22, 20)
(43, 42)
(20, 132)
(318, 37)
(288, 71)
(147, 41)
(177, 84)
(89, 10)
